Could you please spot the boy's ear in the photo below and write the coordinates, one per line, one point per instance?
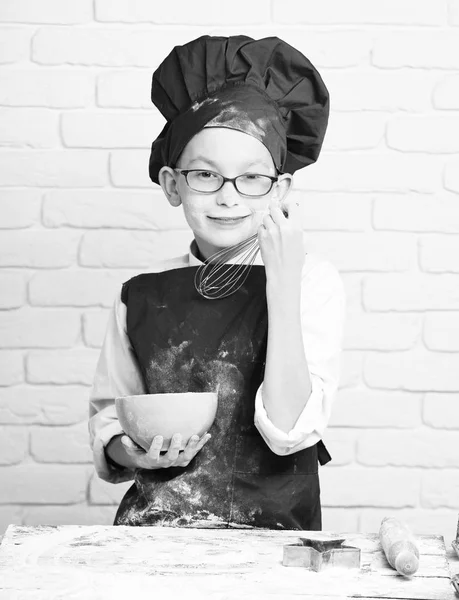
(283, 187)
(167, 181)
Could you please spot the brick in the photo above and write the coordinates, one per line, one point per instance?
(41, 168)
(44, 405)
(440, 489)
(131, 249)
(365, 251)
(354, 131)
(29, 127)
(13, 289)
(19, 208)
(403, 292)
(102, 492)
(43, 484)
(334, 212)
(426, 448)
(201, 12)
(368, 331)
(75, 514)
(415, 371)
(9, 515)
(420, 521)
(446, 93)
(451, 176)
(441, 411)
(61, 444)
(439, 254)
(391, 12)
(91, 209)
(423, 49)
(352, 486)
(95, 327)
(351, 369)
(110, 130)
(129, 168)
(46, 11)
(107, 47)
(82, 287)
(51, 88)
(421, 133)
(341, 444)
(76, 366)
(14, 445)
(34, 328)
(14, 44)
(353, 291)
(125, 89)
(373, 89)
(340, 519)
(453, 12)
(11, 367)
(416, 212)
(373, 408)
(37, 248)
(369, 172)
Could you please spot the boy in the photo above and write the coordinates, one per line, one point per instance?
(242, 116)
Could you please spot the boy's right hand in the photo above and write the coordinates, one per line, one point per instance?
(153, 459)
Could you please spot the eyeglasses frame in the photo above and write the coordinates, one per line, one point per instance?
(185, 172)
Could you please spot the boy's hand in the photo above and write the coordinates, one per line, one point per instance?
(153, 459)
(281, 246)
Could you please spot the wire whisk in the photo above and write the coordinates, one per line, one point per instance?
(217, 278)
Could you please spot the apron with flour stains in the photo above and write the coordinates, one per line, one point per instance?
(185, 343)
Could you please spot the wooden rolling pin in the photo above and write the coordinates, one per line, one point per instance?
(399, 546)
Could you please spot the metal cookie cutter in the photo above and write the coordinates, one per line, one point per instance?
(320, 553)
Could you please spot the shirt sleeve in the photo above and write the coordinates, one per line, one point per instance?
(323, 306)
(117, 374)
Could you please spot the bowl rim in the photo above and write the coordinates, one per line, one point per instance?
(168, 394)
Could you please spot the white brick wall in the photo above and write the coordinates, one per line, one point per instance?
(382, 203)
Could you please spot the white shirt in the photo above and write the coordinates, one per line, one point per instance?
(322, 322)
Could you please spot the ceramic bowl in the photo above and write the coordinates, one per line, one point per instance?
(144, 416)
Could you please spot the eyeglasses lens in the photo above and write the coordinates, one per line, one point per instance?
(249, 185)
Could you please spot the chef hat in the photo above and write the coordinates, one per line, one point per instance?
(265, 88)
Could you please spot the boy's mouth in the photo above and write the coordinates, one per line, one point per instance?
(228, 220)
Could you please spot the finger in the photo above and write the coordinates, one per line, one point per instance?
(155, 448)
(130, 445)
(174, 448)
(190, 449)
(268, 222)
(277, 215)
(205, 438)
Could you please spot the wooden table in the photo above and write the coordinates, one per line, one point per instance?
(92, 562)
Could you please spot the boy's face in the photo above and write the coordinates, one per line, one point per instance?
(223, 218)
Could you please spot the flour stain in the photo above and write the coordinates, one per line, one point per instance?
(233, 117)
(197, 105)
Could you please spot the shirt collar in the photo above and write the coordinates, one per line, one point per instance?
(194, 261)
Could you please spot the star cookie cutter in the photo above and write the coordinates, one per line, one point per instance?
(321, 553)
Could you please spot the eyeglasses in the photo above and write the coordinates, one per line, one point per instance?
(209, 182)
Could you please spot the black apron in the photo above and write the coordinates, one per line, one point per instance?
(185, 343)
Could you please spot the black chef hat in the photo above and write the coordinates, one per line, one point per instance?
(265, 88)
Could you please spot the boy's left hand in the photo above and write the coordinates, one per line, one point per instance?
(282, 246)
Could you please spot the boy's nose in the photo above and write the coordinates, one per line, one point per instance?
(228, 194)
